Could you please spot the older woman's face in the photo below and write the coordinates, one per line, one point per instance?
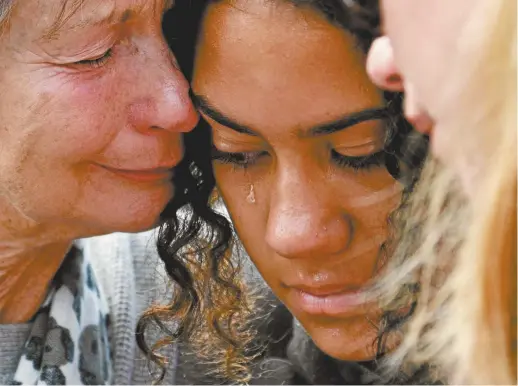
(91, 114)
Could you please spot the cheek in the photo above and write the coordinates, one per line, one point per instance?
(374, 205)
(84, 118)
(375, 190)
(369, 201)
(248, 206)
(66, 124)
(468, 165)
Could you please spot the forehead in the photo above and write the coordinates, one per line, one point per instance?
(264, 60)
(58, 16)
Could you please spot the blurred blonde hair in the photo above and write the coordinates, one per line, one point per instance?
(463, 256)
(483, 285)
(5, 9)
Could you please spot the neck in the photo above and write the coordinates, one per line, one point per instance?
(30, 255)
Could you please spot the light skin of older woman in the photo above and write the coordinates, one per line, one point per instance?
(86, 141)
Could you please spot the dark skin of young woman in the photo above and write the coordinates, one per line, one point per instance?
(302, 178)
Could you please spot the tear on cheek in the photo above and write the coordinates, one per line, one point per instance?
(251, 195)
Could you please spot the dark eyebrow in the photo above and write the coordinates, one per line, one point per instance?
(205, 107)
(376, 113)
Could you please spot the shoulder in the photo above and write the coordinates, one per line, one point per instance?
(103, 249)
(131, 259)
(133, 279)
(137, 241)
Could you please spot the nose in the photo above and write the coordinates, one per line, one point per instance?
(302, 223)
(164, 103)
(381, 66)
(383, 72)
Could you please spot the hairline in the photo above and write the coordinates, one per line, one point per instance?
(8, 6)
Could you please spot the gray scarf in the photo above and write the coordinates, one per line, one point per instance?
(68, 343)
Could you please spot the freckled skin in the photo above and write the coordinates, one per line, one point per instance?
(59, 119)
(281, 70)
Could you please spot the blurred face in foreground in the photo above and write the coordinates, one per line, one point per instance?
(456, 62)
(425, 54)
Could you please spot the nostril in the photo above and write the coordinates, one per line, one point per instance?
(184, 118)
(381, 65)
(193, 118)
(394, 78)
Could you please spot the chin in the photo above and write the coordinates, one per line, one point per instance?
(126, 224)
(342, 351)
(131, 214)
(353, 340)
(139, 225)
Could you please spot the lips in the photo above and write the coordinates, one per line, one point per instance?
(327, 301)
(326, 290)
(158, 174)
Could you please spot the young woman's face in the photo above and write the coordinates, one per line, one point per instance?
(303, 182)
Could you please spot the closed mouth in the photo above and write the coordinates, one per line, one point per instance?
(143, 175)
(327, 290)
(335, 304)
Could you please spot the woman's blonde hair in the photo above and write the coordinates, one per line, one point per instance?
(483, 286)
(5, 9)
(464, 255)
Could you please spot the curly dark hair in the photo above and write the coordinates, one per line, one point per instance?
(195, 241)
(212, 308)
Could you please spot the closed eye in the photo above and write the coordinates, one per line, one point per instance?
(364, 163)
(241, 160)
(98, 61)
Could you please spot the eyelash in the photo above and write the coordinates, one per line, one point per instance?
(97, 62)
(363, 163)
(245, 160)
(238, 160)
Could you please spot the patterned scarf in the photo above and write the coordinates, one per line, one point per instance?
(68, 343)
